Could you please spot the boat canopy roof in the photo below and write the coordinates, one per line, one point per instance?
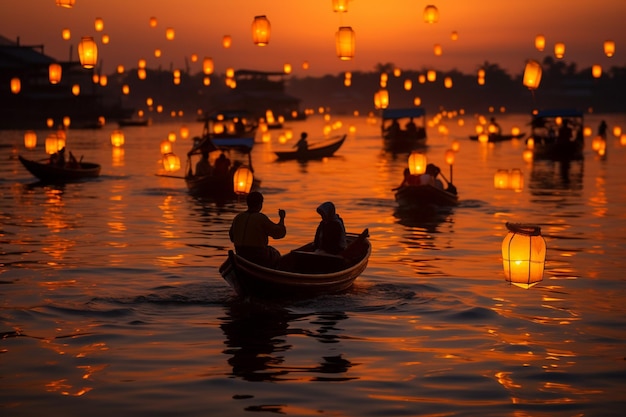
(402, 113)
(226, 115)
(558, 113)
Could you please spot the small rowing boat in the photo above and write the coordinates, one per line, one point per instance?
(495, 137)
(48, 172)
(315, 151)
(301, 273)
(425, 197)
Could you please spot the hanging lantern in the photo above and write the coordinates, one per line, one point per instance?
(532, 74)
(540, 42)
(242, 180)
(261, 29)
(88, 52)
(68, 4)
(523, 255)
(227, 41)
(431, 14)
(66, 34)
(344, 42)
(609, 48)
(559, 50)
(170, 34)
(16, 85)
(30, 139)
(171, 162)
(596, 71)
(417, 163)
(98, 24)
(340, 6)
(166, 147)
(117, 138)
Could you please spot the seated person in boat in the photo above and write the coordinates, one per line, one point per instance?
(203, 167)
(408, 179)
(430, 176)
(330, 236)
(565, 132)
(251, 229)
(72, 162)
(411, 128)
(302, 144)
(58, 158)
(494, 128)
(222, 165)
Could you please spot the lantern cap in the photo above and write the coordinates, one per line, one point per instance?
(524, 229)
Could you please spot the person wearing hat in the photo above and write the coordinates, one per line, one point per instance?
(250, 232)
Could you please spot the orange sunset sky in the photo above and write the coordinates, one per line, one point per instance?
(387, 31)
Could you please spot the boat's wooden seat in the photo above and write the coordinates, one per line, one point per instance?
(317, 262)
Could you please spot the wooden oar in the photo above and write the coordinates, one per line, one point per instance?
(170, 176)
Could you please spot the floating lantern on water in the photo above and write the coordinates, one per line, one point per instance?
(340, 6)
(166, 147)
(16, 85)
(68, 4)
(596, 71)
(54, 73)
(117, 138)
(515, 130)
(261, 29)
(501, 179)
(483, 137)
(227, 41)
(381, 99)
(171, 162)
(431, 14)
(559, 50)
(417, 163)
(540, 42)
(345, 40)
(88, 52)
(527, 155)
(609, 48)
(532, 74)
(523, 255)
(170, 34)
(242, 180)
(516, 179)
(30, 139)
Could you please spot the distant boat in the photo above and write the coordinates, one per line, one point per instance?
(230, 129)
(47, 172)
(318, 150)
(496, 137)
(404, 129)
(133, 122)
(301, 273)
(425, 198)
(548, 143)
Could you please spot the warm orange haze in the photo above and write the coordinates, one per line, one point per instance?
(394, 31)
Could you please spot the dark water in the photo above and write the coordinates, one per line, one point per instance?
(112, 304)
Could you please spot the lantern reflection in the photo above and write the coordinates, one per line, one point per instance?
(523, 255)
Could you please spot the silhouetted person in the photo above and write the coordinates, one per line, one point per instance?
(494, 127)
(565, 133)
(222, 165)
(203, 167)
(302, 143)
(330, 236)
(602, 129)
(250, 232)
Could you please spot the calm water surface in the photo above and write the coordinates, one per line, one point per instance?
(111, 302)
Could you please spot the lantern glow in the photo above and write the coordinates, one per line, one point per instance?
(559, 50)
(523, 255)
(431, 14)
(16, 85)
(117, 138)
(88, 52)
(261, 30)
(609, 48)
(171, 162)
(345, 43)
(532, 74)
(54, 73)
(417, 163)
(540, 42)
(242, 180)
(30, 139)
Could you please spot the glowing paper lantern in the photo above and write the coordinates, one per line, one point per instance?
(68, 4)
(207, 65)
(166, 147)
(449, 156)
(106, 39)
(501, 179)
(431, 75)
(153, 22)
(345, 43)
(454, 36)
(104, 80)
(340, 5)
(242, 180)
(287, 68)
(120, 69)
(417, 163)
(98, 24)
(483, 138)
(261, 29)
(437, 50)
(540, 42)
(431, 14)
(16, 85)
(125, 89)
(171, 162)
(381, 99)
(117, 138)
(523, 255)
(54, 143)
(170, 34)
(609, 48)
(88, 52)
(596, 71)
(30, 139)
(559, 50)
(54, 73)
(66, 34)
(141, 73)
(516, 179)
(447, 82)
(532, 74)
(184, 132)
(76, 89)
(227, 41)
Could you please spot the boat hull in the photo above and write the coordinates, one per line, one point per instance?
(499, 138)
(313, 152)
(424, 197)
(301, 273)
(47, 172)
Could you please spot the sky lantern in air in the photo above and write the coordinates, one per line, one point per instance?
(88, 52)
(98, 24)
(559, 50)
(437, 49)
(261, 29)
(157, 53)
(287, 68)
(540, 42)
(609, 48)
(152, 22)
(431, 14)
(523, 255)
(454, 35)
(227, 41)
(16, 85)
(54, 73)
(66, 34)
(30, 139)
(345, 43)
(207, 66)
(170, 34)
(596, 71)
(68, 4)
(532, 74)
(340, 6)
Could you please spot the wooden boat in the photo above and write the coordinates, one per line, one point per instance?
(396, 134)
(301, 273)
(546, 126)
(230, 129)
(495, 137)
(47, 172)
(318, 150)
(425, 197)
(133, 122)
